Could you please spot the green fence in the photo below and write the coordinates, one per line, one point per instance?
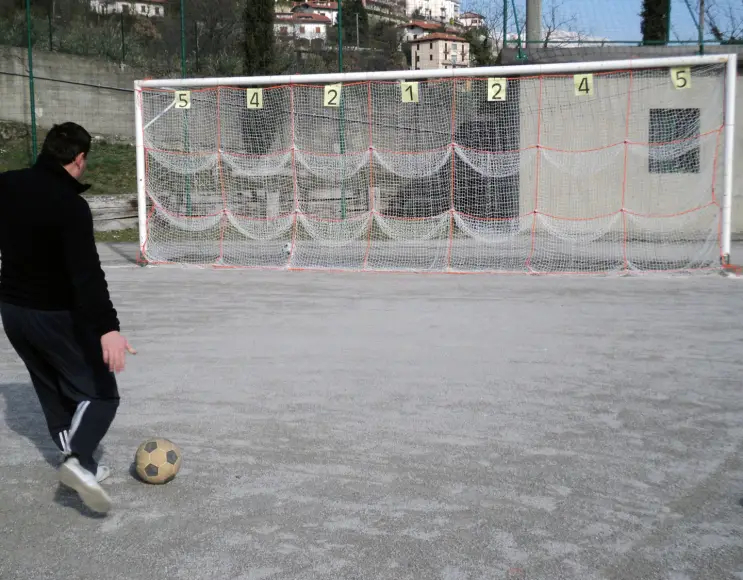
(77, 59)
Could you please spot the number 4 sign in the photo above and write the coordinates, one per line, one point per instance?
(583, 85)
(255, 98)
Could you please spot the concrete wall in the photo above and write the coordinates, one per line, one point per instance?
(604, 175)
(96, 94)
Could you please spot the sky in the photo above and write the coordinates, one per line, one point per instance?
(616, 19)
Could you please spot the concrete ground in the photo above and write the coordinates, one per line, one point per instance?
(397, 426)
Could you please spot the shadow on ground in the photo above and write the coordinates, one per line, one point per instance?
(23, 415)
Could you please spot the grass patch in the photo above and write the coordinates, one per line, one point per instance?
(112, 167)
(128, 235)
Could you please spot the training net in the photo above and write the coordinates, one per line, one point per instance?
(620, 170)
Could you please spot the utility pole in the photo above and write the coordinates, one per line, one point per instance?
(533, 23)
(701, 26)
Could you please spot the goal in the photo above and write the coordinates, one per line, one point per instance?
(612, 166)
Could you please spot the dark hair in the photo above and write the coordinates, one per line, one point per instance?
(65, 142)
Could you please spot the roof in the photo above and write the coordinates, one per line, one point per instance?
(438, 36)
(319, 5)
(303, 17)
(471, 15)
(422, 24)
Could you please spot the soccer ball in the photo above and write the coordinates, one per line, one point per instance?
(157, 461)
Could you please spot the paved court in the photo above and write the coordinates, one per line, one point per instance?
(398, 426)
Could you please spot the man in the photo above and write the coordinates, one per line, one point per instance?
(55, 306)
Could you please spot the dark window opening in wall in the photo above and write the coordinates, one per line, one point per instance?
(674, 141)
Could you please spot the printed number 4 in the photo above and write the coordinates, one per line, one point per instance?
(255, 98)
(583, 85)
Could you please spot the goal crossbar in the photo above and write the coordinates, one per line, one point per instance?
(509, 71)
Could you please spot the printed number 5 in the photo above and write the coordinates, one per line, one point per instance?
(681, 77)
(183, 99)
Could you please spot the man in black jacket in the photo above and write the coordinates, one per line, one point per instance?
(55, 306)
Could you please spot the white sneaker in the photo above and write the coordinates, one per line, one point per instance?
(73, 475)
(103, 473)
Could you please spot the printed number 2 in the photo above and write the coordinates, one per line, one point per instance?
(681, 77)
(409, 92)
(496, 89)
(583, 85)
(332, 95)
(255, 98)
(183, 99)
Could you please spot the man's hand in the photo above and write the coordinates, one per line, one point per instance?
(115, 347)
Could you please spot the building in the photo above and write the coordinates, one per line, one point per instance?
(393, 8)
(302, 25)
(439, 50)
(416, 29)
(151, 8)
(446, 11)
(472, 20)
(327, 9)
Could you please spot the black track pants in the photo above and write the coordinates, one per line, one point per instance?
(77, 392)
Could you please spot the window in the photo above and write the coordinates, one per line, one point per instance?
(674, 141)
(430, 57)
(142, 9)
(157, 10)
(431, 46)
(301, 30)
(283, 30)
(317, 29)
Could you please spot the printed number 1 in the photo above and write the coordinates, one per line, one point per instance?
(681, 77)
(409, 92)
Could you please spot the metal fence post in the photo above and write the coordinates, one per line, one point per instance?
(31, 92)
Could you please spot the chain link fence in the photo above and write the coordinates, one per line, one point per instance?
(76, 60)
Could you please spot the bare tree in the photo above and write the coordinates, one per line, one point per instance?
(559, 27)
(724, 19)
(492, 12)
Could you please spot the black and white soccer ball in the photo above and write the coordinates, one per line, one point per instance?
(157, 461)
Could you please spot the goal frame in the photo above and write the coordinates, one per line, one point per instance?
(730, 79)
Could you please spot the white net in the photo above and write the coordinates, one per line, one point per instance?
(617, 171)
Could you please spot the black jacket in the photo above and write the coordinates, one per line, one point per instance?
(47, 246)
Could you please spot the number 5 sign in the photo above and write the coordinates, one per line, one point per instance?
(183, 99)
(681, 77)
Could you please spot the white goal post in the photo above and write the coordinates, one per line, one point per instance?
(609, 166)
